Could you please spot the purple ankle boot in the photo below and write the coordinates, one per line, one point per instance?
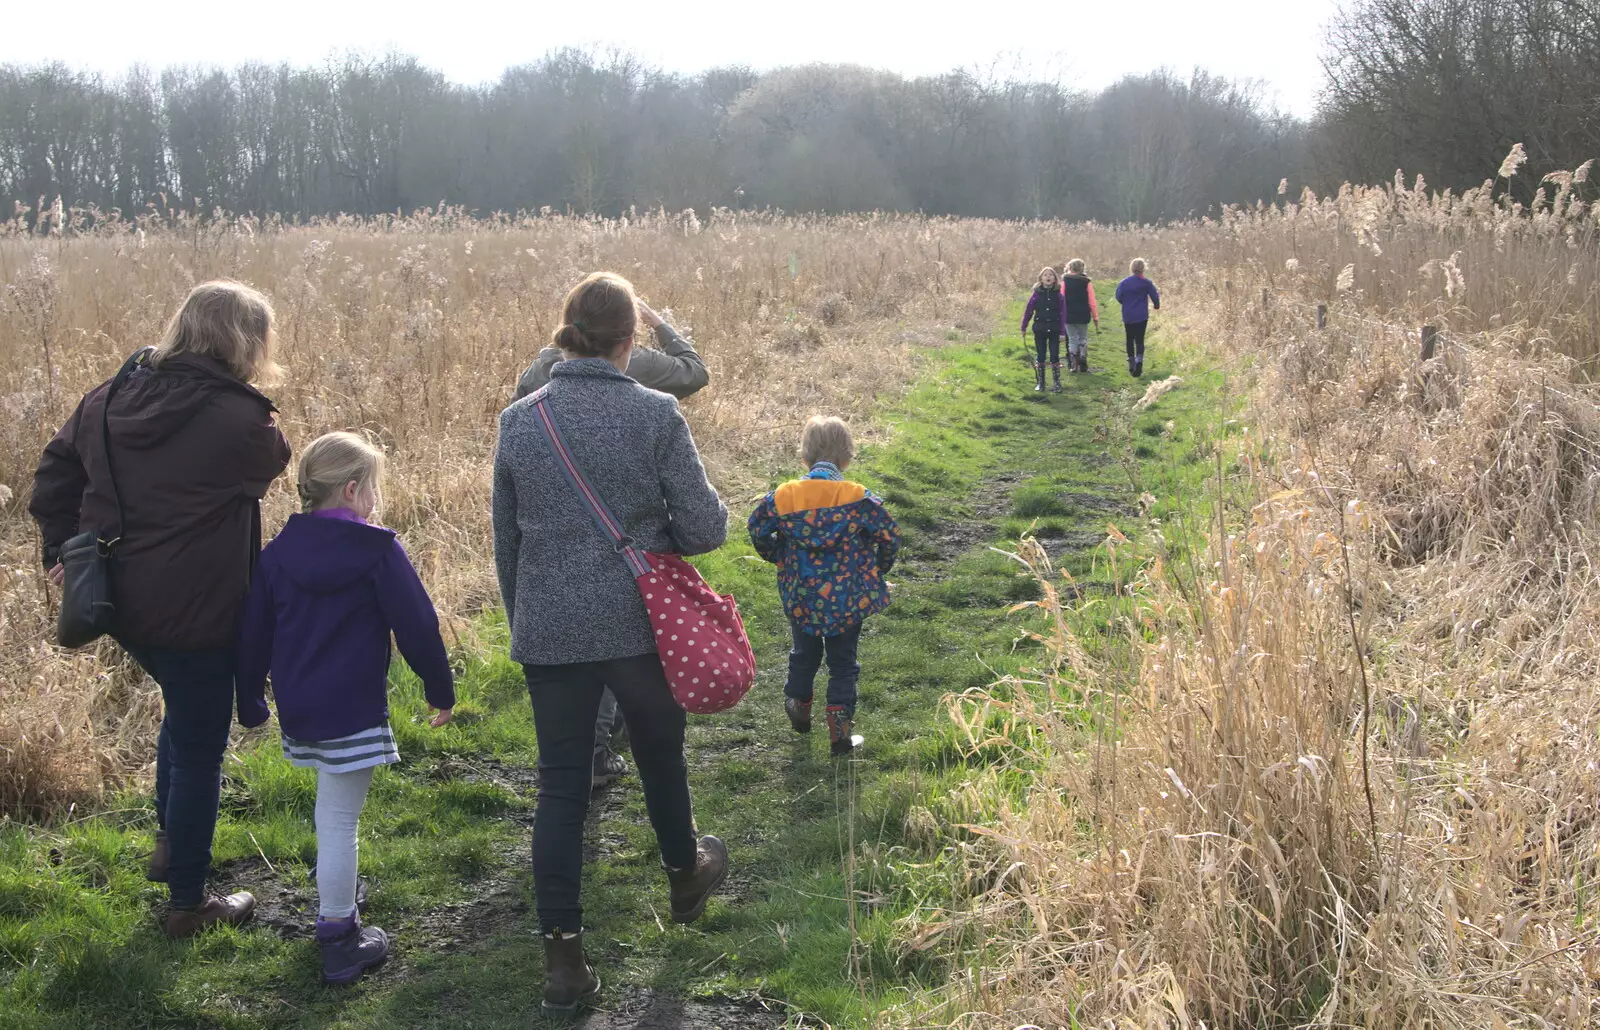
(349, 949)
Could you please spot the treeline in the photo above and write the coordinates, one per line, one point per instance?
(594, 132)
(1446, 87)
(1437, 87)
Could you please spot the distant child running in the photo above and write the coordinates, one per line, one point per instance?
(1137, 295)
(833, 543)
(1079, 309)
(327, 593)
(1048, 313)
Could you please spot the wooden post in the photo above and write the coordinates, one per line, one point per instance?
(1227, 285)
(1322, 316)
(1263, 298)
(1430, 336)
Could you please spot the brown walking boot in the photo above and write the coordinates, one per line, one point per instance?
(568, 976)
(799, 713)
(841, 730)
(232, 910)
(691, 888)
(156, 871)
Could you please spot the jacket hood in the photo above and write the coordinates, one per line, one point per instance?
(326, 555)
(822, 529)
(154, 405)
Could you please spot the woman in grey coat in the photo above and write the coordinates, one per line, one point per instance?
(577, 621)
(674, 368)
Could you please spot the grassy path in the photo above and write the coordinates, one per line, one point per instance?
(828, 857)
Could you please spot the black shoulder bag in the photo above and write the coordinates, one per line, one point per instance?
(87, 610)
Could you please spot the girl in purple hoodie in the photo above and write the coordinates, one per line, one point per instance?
(327, 593)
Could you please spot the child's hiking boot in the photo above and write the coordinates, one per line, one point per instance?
(1138, 365)
(841, 730)
(799, 713)
(1133, 367)
(608, 768)
(1083, 362)
(1038, 378)
(1055, 369)
(156, 870)
(568, 976)
(691, 888)
(349, 949)
(215, 910)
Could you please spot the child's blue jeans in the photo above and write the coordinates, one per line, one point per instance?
(805, 658)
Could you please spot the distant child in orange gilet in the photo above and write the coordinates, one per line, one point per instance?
(833, 543)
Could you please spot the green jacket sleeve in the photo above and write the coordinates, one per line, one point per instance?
(676, 368)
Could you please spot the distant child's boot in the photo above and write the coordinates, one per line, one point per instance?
(349, 949)
(1133, 366)
(568, 976)
(1038, 378)
(841, 729)
(692, 887)
(156, 871)
(799, 713)
(1083, 360)
(1055, 370)
(1138, 364)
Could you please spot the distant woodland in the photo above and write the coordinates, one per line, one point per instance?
(1440, 88)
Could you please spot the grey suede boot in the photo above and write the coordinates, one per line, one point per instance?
(349, 949)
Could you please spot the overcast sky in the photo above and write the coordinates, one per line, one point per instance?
(1087, 45)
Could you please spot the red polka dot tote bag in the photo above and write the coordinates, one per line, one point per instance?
(699, 636)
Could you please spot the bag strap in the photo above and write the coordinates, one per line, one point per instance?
(608, 523)
(135, 359)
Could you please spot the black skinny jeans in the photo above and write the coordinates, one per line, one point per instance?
(1135, 331)
(566, 699)
(1047, 340)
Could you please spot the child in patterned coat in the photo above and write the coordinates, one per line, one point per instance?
(833, 543)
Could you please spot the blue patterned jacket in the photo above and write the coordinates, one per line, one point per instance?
(833, 543)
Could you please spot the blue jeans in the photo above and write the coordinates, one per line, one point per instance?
(197, 690)
(805, 658)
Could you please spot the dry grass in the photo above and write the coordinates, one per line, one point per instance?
(416, 329)
(1350, 775)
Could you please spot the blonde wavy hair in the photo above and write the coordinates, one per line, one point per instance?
(228, 322)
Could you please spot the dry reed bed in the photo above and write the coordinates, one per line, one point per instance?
(1352, 777)
(415, 329)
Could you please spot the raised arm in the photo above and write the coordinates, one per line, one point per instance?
(676, 368)
(699, 518)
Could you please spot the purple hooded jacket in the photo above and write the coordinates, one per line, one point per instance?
(1137, 295)
(327, 592)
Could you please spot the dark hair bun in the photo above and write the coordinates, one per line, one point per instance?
(599, 316)
(571, 339)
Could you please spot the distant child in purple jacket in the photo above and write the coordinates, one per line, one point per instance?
(327, 593)
(1047, 309)
(1137, 295)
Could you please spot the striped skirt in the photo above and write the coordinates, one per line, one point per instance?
(344, 754)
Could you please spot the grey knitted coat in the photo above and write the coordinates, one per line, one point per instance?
(568, 594)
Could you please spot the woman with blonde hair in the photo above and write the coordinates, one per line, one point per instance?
(168, 462)
(578, 622)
